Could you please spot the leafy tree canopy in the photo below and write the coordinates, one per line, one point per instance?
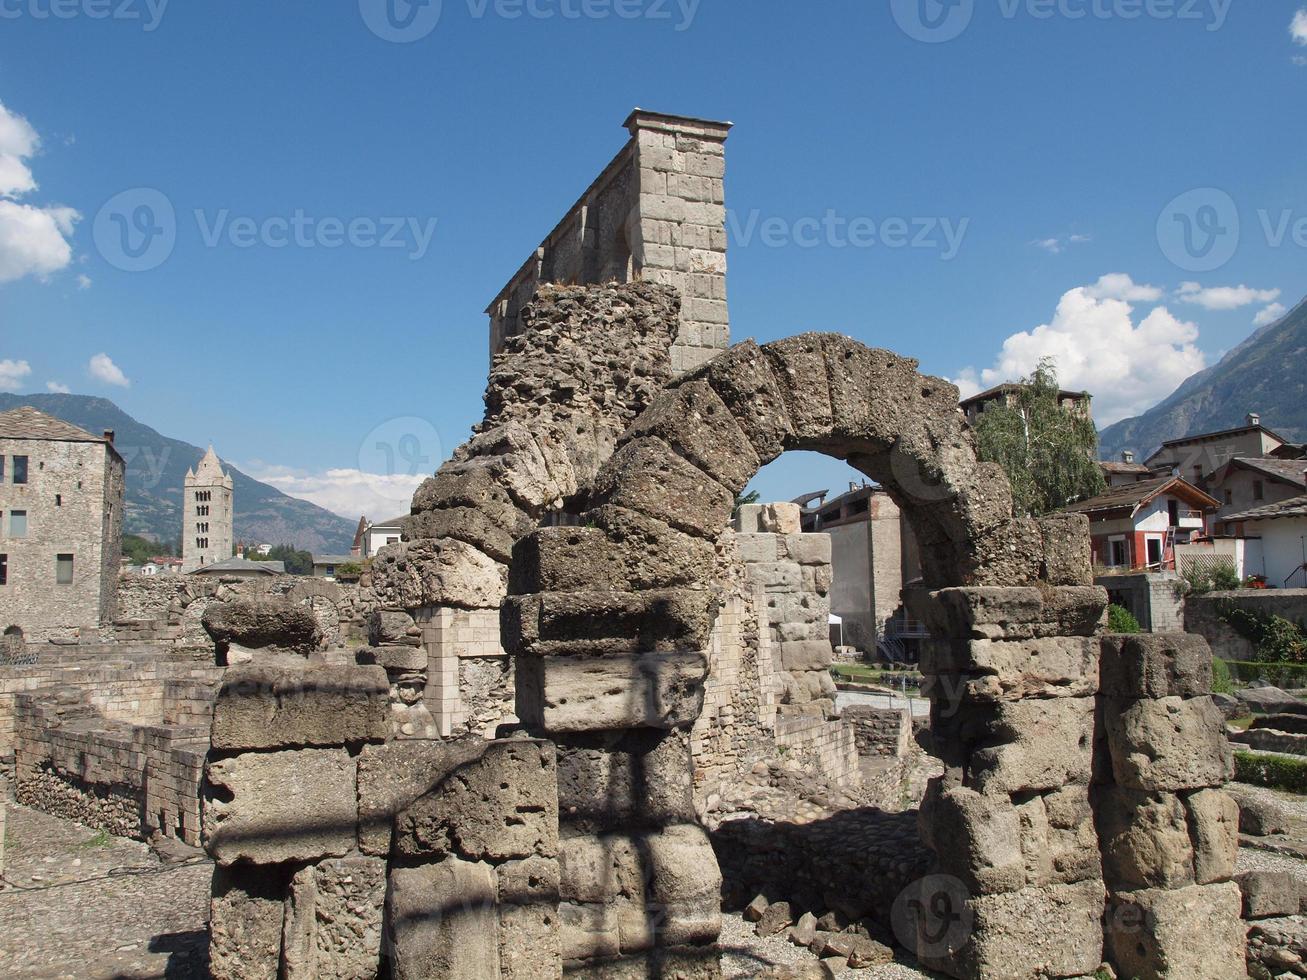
(1050, 453)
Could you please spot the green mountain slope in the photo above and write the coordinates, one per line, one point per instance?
(156, 466)
(1266, 374)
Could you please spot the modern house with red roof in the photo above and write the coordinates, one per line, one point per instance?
(1137, 525)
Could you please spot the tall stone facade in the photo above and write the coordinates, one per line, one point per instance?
(207, 511)
(61, 513)
(656, 213)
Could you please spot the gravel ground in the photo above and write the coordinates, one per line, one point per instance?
(75, 903)
(746, 955)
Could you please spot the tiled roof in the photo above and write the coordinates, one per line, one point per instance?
(1131, 495)
(241, 565)
(1111, 467)
(25, 422)
(1288, 470)
(1293, 507)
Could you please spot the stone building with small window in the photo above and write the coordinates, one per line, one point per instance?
(207, 514)
(61, 513)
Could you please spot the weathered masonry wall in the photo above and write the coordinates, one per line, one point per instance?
(1153, 598)
(73, 500)
(1202, 615)
(118, 747)
(656, 213)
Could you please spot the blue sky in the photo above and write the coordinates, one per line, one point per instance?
(1049, 157)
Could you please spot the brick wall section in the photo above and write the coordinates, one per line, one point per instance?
(822, 746)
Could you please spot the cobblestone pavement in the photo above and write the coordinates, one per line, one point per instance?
(76, 903)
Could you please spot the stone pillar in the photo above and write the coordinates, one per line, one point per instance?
(1169, 833)
(1012, 674)
(615, 679)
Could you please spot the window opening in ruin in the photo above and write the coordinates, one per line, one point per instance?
(18, 523)
(20, 469)
(4, 571)
(63, 569)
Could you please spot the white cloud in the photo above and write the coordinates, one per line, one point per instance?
(83, 281)
(1118, 285)
(348, 492)
(102, 368)
(1298, 27)
(1058, 244)
(1224, 297)
(12, 374)
(33, 240)
(58, 387)
(1269, 315)
(1098, 347)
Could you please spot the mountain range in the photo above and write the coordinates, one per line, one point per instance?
(156, 468)
(1266, 375)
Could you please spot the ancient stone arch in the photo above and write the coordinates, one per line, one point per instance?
(609, 621)
(1080, 816)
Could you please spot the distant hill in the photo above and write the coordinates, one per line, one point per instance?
(1266, 374)
(157, 465)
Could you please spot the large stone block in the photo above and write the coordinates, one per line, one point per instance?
(587, 931)
(1037, 932)
(651, 553)
(799, 365)
(744, 380)
(1068, 558)
(666, 963)
(442, 921)
(1167, 744)
(693, 420)
(528, 881)
(611, 782)
(598, 622)
(391, 626)
(648, 476)
(245, 923)
(1003, 613)
(500, 805)
(1058, 838)
(333, 926)
(976, 838)
(1017, 746)
(1214, 829)
(262, 622)
(640, 690)
(564, 559)
(272, 807)
(757, 547)
(529, 946)
(491, 531)
(271, 706)
(1192, 932)
(1009, 553)
(1057, 666)
(808, 549)
(1145, 839)
(1156, 665)
(1268, 894)
(393, 775)
(806, 654)
(684, 886)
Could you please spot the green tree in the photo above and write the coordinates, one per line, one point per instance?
(297, 562)
(140, 550)
(1050, 453)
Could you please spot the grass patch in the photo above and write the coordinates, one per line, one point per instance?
(100, 839)
(1241, 724)
(1274, 771)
